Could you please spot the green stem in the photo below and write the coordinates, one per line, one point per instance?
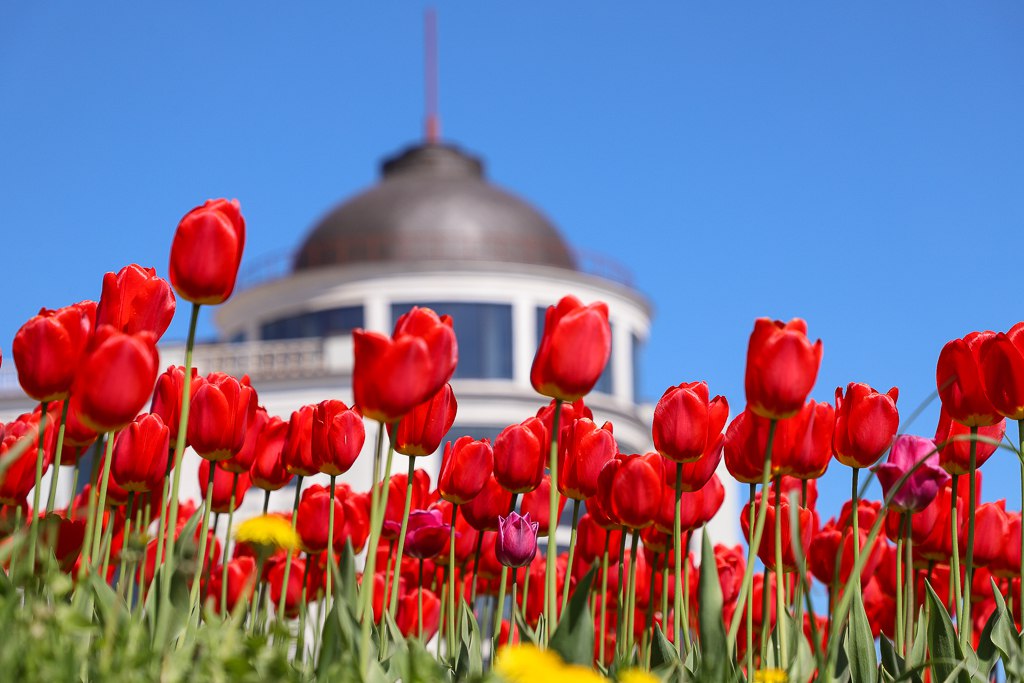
(499, 610)
(300, 646)
(750, 594)
(257, 596)
(393, 607)
(954, 560)
(908, 548)
(900, 589)
(227, 540)
(204, 550)
(550, 585)
(649, 625)
(419, 605)
(90, 515)
(451, 584)
(51, 500)
(179, 452)
(677, 538)
(780, 578)
(162, 522)
(965, 629)
(755, 539)
(630, 615)
(74, 487)
(102, 503)
(124, 543)
(604, 597)
(331, 563)
(512, 625)
(665, 574)
(291, 552)
(33, 526)
(572, 550)
(688, 642)
(855, 517)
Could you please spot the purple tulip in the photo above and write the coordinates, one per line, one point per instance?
(921, 487)
(516, 542)
(427, 534)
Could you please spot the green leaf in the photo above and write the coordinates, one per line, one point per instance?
(470, 661)
(892, 663)
(712, 622)
(346, 585)
(663, 652)
(947, 658)
(1004, 632)
(802, 665)
(860, 644)
(573, 638)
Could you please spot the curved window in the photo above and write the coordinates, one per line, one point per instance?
(604, 382)
(314, 324)
(484, 332)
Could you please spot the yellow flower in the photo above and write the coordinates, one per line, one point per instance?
(637, 676)
(530, 664)
(267, 532)
(770, 676)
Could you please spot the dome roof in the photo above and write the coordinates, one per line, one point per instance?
(433, 204)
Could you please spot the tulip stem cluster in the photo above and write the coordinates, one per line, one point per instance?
(51, 499)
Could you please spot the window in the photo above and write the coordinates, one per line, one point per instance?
(604, 382)
(484, 332)
(314, 324)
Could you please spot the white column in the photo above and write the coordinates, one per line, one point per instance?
(377, 314)
(622, 362)
(524, 339)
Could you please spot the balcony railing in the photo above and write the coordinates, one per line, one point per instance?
(287, 359)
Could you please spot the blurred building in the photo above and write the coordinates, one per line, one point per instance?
(432, 232)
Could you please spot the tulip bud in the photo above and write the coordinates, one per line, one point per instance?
(141, 452)
(573, 351)
(224, 484)
(421, 431)
(782, 366)
(297, 454)
(483, 510)
(167, 397)
(866, 422)
(516, 542)
(136, 300)
(241, 584)
(115, 378)
(243, 459)
(538, 504)
(206, 252)
(48, 349)
(427, 534)
(630, 489)
(585, 450)
(221, 411)
(268, 471)
(520, 454)
(338, 436)
(19, 477)
(686, 423)
(955, 440)
(960, 384)
(314, 516)
(923, 484)
(1002, 369)
(465, 469)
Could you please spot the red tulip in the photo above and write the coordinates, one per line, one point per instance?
(992, 530)
(19, 477)
(78, 437)
(397, 484)
(465, 469)
(206, 252)
(293, 593)
(694, 474)
(1002, 370)
(731, 563)
(356, 526)
(224, 483)
(698, 507)
(338, 436)
(115, 378)
(568, 413)
(745, 443)
(782, 366)
(297, 453)
(465, 535)
(520, 453)
(807, 523)
(167, 397)
(222, 409)
(866, 423)
(686, 423)
(408, 618)
(592, 539)
(538, 503)
(242, 460)
(141, 453)
(393, 375)
(1007, 563)
(483, 510)
(268, 471)
(573, 351)
(314, 516)
(421, 431)
(49, 347)
(954, 438)
(630, 489)
(136, 300)
(241, 585)
(803, 443)
(958, 376)
(65, 536)
(834, 543)
(584, 451)
(880, 606)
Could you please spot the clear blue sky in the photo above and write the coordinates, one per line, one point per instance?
(857, 164)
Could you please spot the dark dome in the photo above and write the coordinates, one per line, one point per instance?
(433, 204)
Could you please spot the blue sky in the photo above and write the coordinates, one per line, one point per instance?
(859, 165)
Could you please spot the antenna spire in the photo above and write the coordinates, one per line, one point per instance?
(432, 123)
